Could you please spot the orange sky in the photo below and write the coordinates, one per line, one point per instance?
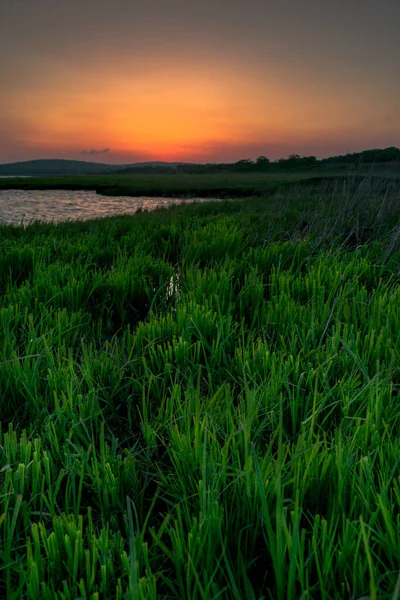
(194, 101)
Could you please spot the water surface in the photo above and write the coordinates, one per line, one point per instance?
(24, 206)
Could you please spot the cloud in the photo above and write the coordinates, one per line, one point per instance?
(105, 151)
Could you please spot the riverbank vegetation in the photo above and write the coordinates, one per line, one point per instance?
(212, 185)
(203, 402)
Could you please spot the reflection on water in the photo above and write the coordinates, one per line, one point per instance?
(22, 207)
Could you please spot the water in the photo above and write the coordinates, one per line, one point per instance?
(22, 207)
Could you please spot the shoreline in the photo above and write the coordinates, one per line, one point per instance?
(221, 186)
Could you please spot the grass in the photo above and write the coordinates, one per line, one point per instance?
(202, 402)
(221, 185)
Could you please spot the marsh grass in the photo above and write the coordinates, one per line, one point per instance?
(203, 402)
(211, 185)
(175, 185)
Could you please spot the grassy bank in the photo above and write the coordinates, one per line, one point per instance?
(218, 185)
(221, 185)
(202, 402)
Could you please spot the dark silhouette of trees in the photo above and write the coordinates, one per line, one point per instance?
(263, 163)
(294, 162)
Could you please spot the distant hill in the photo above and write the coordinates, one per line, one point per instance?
(60, 167)
(55, 167)
(377, 158)
(154, 165)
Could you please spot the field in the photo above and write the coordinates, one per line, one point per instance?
(203, 402)
(222, 185)
(230, 184)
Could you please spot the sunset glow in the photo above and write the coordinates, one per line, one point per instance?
(173, 99)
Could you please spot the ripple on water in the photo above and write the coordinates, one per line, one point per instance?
(24, 206)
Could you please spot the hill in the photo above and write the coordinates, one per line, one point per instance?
(377, 158)
(60, 167)
(55, 167)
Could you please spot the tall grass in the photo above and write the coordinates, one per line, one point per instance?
(215, 185)
(202, 403)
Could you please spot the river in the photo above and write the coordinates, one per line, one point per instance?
(22, 207)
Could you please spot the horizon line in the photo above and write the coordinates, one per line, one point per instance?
(182, 162)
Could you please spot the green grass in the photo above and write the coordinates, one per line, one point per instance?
(228, 185)
(202, 402)
(225, 185)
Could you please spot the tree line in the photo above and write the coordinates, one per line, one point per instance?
(294, 162)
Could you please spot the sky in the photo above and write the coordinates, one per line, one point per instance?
(123, 81)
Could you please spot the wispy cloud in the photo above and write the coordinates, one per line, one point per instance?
(104, 151)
